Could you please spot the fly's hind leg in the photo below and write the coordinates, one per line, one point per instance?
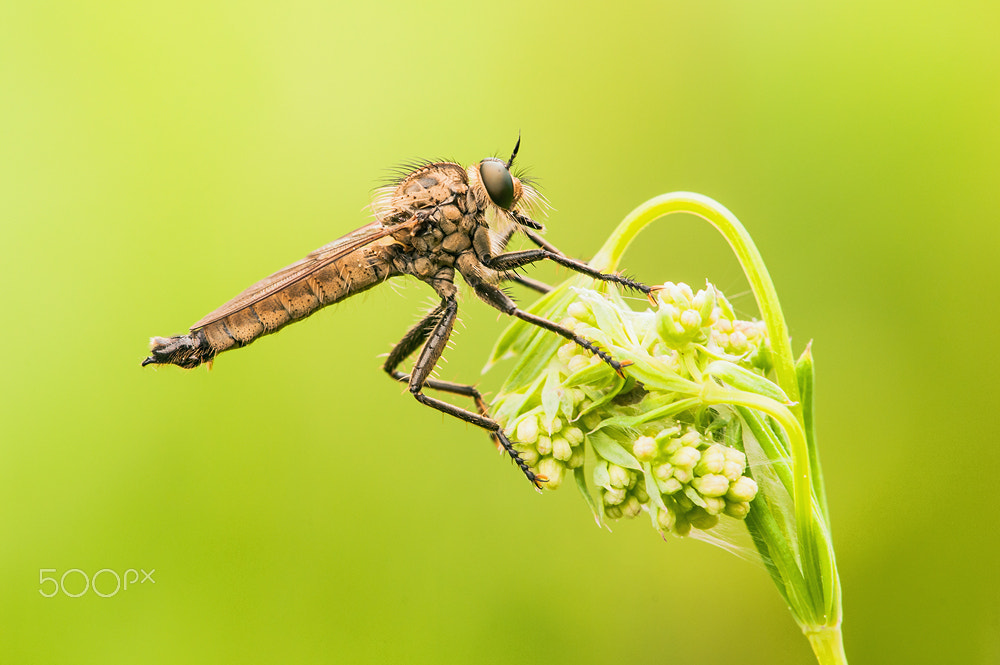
(433, 332)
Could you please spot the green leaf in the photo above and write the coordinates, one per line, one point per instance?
(612, 451)
(744, 379)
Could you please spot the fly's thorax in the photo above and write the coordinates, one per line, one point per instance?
(421, 191)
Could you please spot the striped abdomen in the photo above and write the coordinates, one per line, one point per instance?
(269, 308)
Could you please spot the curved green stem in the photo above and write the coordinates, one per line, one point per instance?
(736, 235)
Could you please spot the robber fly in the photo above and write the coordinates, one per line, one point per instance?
(436, 220)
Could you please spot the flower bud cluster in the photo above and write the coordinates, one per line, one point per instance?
(705, 318)
(673, 467)
(694, 481)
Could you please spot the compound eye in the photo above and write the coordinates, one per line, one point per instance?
(499, 185)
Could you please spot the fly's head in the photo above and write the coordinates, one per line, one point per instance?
(500, 192)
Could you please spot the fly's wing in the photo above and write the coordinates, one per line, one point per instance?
(314, 261)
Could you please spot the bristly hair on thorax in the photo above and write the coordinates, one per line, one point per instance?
(532, 201)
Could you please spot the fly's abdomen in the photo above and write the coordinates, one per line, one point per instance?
(347, 276)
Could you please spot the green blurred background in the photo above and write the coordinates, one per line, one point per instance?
(156, 158)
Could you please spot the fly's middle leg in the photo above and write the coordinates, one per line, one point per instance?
(433, 332)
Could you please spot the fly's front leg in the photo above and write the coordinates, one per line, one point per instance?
(433, 332)
(512, 260)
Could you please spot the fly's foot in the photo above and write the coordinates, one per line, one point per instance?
(506, 444)
(603, 355)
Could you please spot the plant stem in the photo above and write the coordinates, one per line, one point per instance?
(828, 645)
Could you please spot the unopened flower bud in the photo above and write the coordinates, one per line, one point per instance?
(567, 352)
(701, 520)
(528, 454)
(665, 519)
(714, 505)
(544, 445)
(685, 457)
(712, 485)
(631, 507)
(553, 470)
(619, 476)
(577, 459)
(644, 448)
(581, 312)
(613, 497)
(738, 342)
(527, 430)
(683, 474)
(738, 510)
(712, 460)
(690, 319)
(732, 470)
(669, 486)
(574, 435)
(561, 449)
(744, 489)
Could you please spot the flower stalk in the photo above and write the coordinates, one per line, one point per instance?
(714, 419)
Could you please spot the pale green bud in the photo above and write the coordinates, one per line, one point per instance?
(575, 436)
(738, 342)
(631, 507)
(669, 486)
(613, 497)
(685, 457)
(577, 459)
(544, 445)
(561, 449)
(692, 439)
(527, 430)
(724, 325)
(690, 319)
(619, 476)
(701, 520)
(732, 470)
(665, 519)
(644, 448)
(639, 492)
(683, 474)
(738, 510)
(613, 512)
(581, 312)
(553, 470)
(714, 505)
(663, 471)
(567, 352)
(736, 463)
(528, 454)
(744, 489)
(711, 485)
(712, 460)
